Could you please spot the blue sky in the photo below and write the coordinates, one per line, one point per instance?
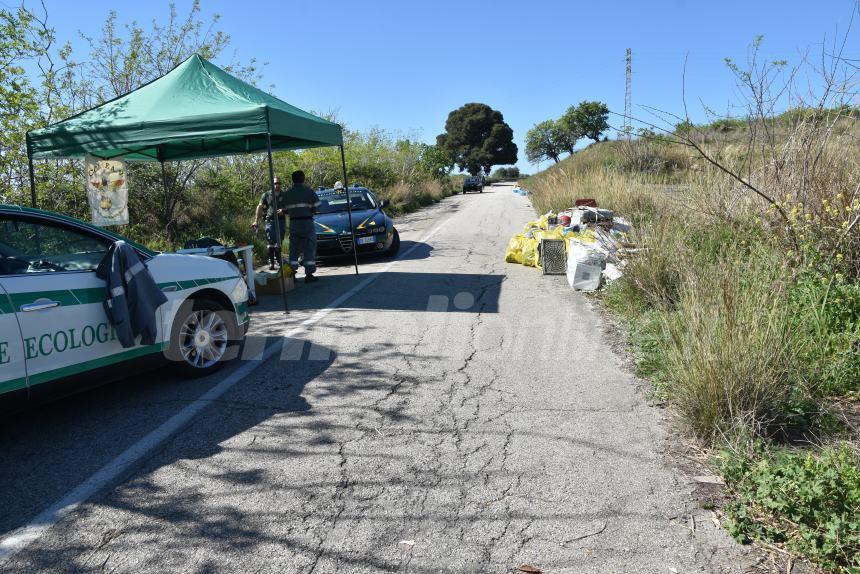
(404, 65)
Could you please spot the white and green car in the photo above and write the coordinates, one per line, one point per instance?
(54, 334)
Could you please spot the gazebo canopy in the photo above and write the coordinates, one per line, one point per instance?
(196, 110)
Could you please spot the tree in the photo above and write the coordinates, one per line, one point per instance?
(588, 119)
(546, 140)
(476, 138)
(506, 173)
(434, 161)
(24, 38)
(570, 130)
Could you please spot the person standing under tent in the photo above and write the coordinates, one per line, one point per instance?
(301, 202)
(274, 202)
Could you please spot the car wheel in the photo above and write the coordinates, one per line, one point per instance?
(395, 245)
(201, 338)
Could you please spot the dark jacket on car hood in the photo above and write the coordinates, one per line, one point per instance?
(133, 297)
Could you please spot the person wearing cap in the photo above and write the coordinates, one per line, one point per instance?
(274, 202)
(300, 203)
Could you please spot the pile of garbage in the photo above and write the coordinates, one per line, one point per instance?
(595, 241)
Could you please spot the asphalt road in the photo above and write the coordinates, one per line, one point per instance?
(454, 414)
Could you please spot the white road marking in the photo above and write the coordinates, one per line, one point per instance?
(122, 464)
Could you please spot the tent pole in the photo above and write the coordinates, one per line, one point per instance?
(166, 194)
(349, 209)
(32, 185)
(164, 178)
(276, 222)
(32, 172)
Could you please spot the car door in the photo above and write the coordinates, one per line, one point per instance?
(58, 300)
(13, 375)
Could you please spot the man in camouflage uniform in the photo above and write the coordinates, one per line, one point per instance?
(301, 201)
(274, 203)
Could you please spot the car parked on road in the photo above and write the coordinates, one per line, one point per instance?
(55, 337)
(473, 184)
(374, 229)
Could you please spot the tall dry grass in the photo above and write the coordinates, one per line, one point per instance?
(729, 351)
(406, 197)
(718, 270)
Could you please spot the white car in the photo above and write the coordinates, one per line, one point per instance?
(55, 337)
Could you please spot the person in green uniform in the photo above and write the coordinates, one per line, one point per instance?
(274, 203)
(300, 203)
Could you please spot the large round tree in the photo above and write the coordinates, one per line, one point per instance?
(476, 138)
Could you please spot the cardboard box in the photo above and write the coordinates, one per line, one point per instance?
(268, 282)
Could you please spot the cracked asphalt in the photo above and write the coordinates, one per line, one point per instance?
(459, 414)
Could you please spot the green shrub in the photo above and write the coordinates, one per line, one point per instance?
(809, 503)
(506, 173)
(727, 124)
(826, 322)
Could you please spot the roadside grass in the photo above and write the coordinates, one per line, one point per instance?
(646, 337)
(750, 334)
(405, 197)
(807, 503)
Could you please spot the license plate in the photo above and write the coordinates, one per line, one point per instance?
(366, 240)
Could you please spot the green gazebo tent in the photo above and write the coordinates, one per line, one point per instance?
(194, 111)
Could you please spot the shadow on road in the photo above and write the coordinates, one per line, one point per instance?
(48, 450)
(416, 250)
(397, 291)
(276, 490)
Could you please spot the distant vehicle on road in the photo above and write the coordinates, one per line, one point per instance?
(55, 337)
(374, 229)
(473, 184)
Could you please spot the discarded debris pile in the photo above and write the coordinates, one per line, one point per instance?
(594, 241)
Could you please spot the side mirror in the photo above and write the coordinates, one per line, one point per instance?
(384, 203)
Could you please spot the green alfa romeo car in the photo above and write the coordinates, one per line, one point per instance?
(55, 337)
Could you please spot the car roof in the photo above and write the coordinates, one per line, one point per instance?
(20, 209)
(334, 191)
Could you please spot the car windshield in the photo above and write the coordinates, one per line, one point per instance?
(335, 201)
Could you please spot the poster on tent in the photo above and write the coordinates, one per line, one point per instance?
(107, 190)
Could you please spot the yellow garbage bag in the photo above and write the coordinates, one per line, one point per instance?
(530, 252)
(586, 237)
(541, 223)
(555, 233)
(514, 252)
